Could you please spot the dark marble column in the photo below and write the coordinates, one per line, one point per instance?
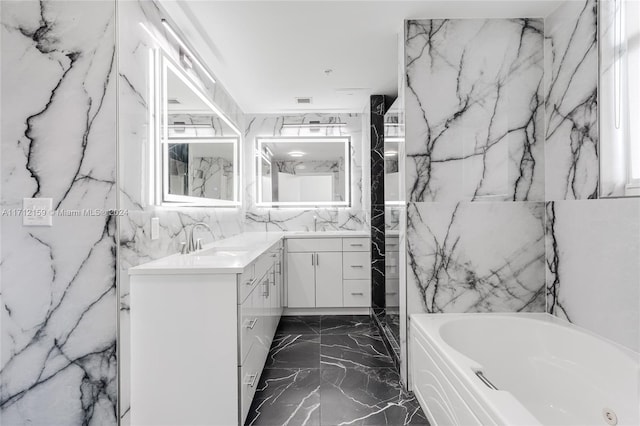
(378, 108)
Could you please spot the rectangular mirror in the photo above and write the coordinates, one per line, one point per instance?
(199, 145)
(303, 171)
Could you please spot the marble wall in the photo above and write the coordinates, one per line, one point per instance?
(592, 245)
(58, 284)
(474, 114)
(476, 257)
(264, 219)
(475, 165)
(378, 106)
(593, 273)
(540, 239)
(571, 102)
(144, 33)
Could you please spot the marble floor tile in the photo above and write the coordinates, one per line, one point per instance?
(331, 379)
(341, 324)
(286, 396)
(299, 325)
(366, 397)
(294, 351)
(354, 350)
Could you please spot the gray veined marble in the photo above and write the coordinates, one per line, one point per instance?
(571, 104)
(474, 114)
(58, 359)
(475, 257)
(592, 270)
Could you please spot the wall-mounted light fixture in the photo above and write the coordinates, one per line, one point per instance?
(296, 154)
(187, 50)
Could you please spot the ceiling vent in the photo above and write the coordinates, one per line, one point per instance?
(303, 101)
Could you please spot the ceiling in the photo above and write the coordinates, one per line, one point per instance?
(267, 53)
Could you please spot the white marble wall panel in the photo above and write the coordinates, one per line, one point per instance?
(593, 273)
(351, 218)
(474, 109)
(58, 327)
(571, 103)
(475, 257)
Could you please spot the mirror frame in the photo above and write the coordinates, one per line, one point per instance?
(259, 147)
(164, 198)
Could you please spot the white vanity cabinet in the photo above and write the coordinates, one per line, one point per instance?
(200, 339)
(314, 272)
(328, 272)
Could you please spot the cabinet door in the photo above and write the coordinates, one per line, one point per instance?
(300, 280)
(328, 280)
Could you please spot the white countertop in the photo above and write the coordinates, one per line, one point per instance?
(247, 246)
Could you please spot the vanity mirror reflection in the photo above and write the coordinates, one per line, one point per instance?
(199, 146)
(303, 171)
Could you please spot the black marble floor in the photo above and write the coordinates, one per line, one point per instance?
(329, 371)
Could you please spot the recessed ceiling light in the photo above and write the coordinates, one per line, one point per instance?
(296, 153)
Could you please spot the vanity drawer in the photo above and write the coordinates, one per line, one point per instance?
(314, 244)
(246, 283)
(250, 322)
(356, 265)
(356, 244)
(264, 263)
(250, 372)
(356, 293)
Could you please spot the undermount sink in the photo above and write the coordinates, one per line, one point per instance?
(222, 251)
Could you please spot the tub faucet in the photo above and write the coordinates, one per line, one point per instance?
(193, 245)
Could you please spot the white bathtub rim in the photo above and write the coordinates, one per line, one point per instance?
(500, 404)
(436, 319)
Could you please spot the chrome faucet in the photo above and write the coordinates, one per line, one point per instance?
(315, 223)
(193, 245)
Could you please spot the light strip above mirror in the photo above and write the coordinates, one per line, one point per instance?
(187, 50)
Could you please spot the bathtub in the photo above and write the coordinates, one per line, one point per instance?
(519, 369)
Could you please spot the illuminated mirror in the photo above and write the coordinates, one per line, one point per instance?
(199, 145)
(309, 171)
